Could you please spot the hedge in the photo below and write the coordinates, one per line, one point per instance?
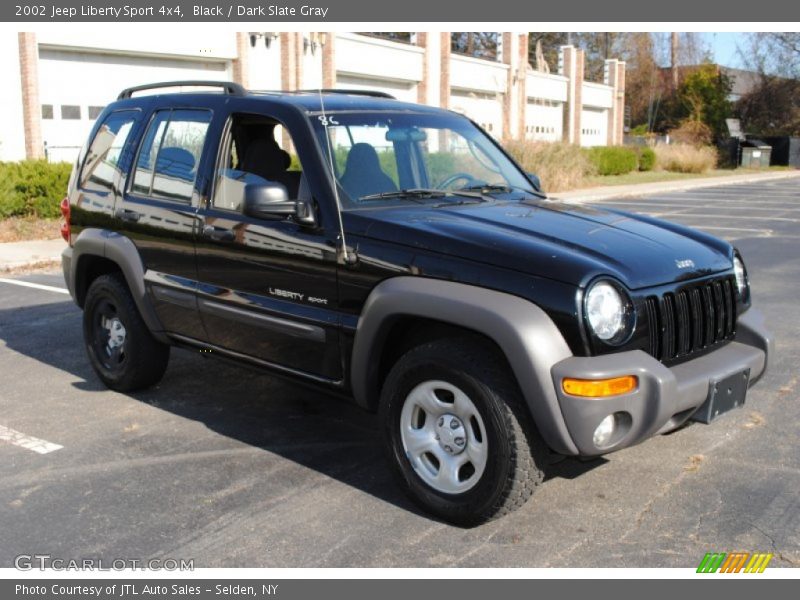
(647, 159)
(613, 160)
(32, 188)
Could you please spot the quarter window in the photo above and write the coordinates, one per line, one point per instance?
(102, 160)
(170, 154)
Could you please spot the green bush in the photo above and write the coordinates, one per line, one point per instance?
(613, 160)
(32, 188)
(647, 158)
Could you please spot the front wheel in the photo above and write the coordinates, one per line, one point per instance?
(121, 349)
(457, 432)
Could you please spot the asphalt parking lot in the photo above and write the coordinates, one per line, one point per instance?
(234, 468)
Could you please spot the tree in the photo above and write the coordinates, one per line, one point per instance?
(772, 107)
(476, 43)
(773, 53)
(702, 98)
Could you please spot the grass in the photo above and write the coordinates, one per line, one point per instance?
(18, 229)
(637, 177)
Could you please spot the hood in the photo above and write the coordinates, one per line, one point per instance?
(571, 243)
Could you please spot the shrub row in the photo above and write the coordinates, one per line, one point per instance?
(32, 188)
(559, 166)
(686, 158)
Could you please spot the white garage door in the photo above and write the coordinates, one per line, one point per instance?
(405, 91)
(74, 87)
(484, 109)
(594, 126)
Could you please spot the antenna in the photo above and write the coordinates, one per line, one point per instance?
(346, 256)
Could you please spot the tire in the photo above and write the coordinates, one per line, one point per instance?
(500, 440)
(121, 349)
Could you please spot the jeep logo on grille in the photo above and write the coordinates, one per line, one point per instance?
(684, 264)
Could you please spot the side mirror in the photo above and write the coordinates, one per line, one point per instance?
(535, 181)
(268, 201)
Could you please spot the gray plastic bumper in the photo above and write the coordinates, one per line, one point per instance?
(665, 397)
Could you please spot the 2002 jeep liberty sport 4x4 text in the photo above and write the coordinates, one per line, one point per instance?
(406, 261)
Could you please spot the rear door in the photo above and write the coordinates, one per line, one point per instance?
(158, 211)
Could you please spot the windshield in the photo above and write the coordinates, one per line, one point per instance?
(387, 158)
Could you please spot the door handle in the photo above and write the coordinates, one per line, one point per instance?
(218, 234)
(130, 216)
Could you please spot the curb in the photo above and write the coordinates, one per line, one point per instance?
(644, 189)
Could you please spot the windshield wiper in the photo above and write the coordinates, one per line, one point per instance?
(499, 188)
(411, 194)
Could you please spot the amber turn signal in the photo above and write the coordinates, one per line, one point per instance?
(600, 388)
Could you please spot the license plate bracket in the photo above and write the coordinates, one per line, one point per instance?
(723, 395)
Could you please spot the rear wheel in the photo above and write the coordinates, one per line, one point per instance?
(121, 349)
(457, 431)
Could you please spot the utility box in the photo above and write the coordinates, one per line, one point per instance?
(755, 153)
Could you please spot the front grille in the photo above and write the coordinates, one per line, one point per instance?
(691, 319)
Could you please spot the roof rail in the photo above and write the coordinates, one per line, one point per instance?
(373, 93)
(231, 88)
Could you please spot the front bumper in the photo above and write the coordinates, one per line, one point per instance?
(665, 397)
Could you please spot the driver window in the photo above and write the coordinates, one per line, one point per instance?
(257, 151)
(453, 161)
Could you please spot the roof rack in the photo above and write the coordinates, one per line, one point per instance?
(373, 93)
(231, 88)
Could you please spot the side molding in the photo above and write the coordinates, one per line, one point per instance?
(122, 251)
(530, 340)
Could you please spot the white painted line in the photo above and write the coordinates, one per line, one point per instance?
(760, 232)
(18, 438)
(38, 286)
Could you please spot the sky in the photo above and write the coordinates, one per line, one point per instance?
(724, 47)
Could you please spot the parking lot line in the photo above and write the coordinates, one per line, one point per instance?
(37, 286)
(17, 438)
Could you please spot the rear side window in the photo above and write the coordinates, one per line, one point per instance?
(170, 154)
(102, 160)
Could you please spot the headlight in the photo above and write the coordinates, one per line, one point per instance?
(741, 276)
(608, 312)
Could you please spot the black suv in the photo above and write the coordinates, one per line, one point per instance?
(395, 254)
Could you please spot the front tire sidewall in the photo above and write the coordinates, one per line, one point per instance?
(466, 507)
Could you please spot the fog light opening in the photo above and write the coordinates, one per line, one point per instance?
(611, 429)
(604, 431)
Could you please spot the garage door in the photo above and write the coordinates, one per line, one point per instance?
(405, 91)
(74, 87)
(594, 126)
(484, 109)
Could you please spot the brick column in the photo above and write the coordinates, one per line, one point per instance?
(509, 58)
(241, 64)
(614, 76)
(329, 61)
(522, 85)
(31, 106)
(300, 57)
(570, 65)
(288, 61)
(444, 69)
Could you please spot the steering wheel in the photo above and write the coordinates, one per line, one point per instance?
(449, 181)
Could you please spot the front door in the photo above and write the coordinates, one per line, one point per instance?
(267, 287)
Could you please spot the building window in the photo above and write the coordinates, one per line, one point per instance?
(94, 111)
(47, 111)
(70, 112)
